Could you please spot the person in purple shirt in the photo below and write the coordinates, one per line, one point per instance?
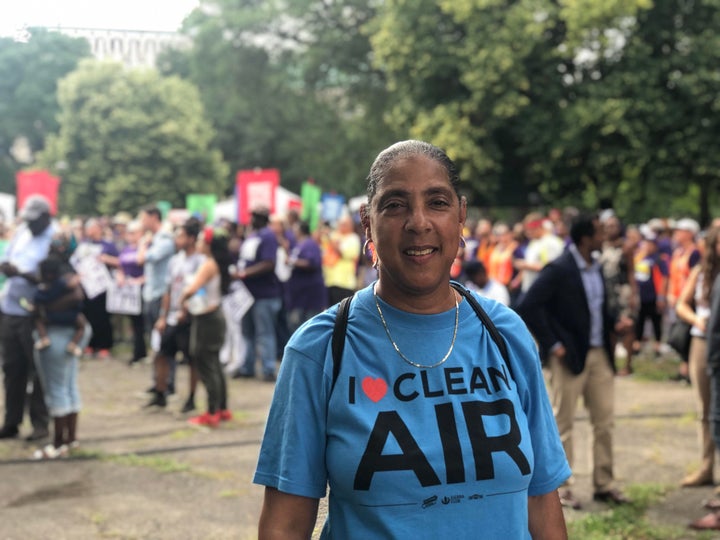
(102, 333)
(307, 295)
(129, 270)
(256, 267)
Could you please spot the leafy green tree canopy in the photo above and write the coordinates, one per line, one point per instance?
(29, 72)
(574, 100)
(130, 138)
(289, 86)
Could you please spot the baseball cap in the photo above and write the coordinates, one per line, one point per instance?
(647, 232)
(121, 218)
(687, 224)
(657, 224)
(34, 207)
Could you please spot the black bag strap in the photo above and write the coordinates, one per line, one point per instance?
(338, 337)
(341, 321)
(485, 318)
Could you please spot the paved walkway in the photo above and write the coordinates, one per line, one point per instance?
(148, 475)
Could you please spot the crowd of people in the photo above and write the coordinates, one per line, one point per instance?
(58, 276)
(237, 301)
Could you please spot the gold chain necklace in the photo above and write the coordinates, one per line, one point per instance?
(397, 349)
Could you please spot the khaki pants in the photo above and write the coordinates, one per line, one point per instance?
(596, 385)
(701, 387)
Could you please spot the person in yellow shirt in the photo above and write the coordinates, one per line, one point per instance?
(341, 251)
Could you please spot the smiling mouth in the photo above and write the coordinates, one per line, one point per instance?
(419, 252)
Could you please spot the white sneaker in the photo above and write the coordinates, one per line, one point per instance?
(50, 452)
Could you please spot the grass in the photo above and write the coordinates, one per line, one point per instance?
(157, 463)
(647, 367)
(231, 493)
(629, 522)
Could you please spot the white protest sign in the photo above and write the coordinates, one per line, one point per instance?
(124, 299)
(238, 302)
(94, 275)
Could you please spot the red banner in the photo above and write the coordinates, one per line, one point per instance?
(255, 188)
(37, 183)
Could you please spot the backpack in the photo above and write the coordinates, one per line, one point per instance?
(341, 320)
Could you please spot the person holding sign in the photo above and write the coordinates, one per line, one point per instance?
(256, 268)
(131, 272)
(96, 247)
(203, 299)
(434, 421)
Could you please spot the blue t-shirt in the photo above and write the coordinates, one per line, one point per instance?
(411, 452)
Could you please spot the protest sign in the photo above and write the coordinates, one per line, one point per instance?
(124, 299)
(238, 302)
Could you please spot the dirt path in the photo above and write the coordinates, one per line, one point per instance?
(148, 475)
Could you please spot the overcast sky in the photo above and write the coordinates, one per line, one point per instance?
(165, 15)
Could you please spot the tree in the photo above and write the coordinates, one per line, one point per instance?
(129, 138)
(643, 127)
(575, 100)
(290, 86)
(29, 72)
(478, 79)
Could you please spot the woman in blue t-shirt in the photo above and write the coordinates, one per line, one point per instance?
(428, 430)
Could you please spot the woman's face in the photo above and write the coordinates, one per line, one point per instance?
(132, 236)
(202, 246)
(415, 221)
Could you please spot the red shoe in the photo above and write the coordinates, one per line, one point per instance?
(205, 419)
(103, 353)
(225, 415)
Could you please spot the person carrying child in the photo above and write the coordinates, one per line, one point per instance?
(57, 280)
(62, 330)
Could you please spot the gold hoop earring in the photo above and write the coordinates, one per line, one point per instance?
(373, 253)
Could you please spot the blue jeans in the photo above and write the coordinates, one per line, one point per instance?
(258, 329)
(58, 371)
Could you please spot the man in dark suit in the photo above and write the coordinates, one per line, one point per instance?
(567, 311)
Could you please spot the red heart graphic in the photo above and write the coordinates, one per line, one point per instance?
(375, 389)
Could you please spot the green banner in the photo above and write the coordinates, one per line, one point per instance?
(202, 205)
(310, 195)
